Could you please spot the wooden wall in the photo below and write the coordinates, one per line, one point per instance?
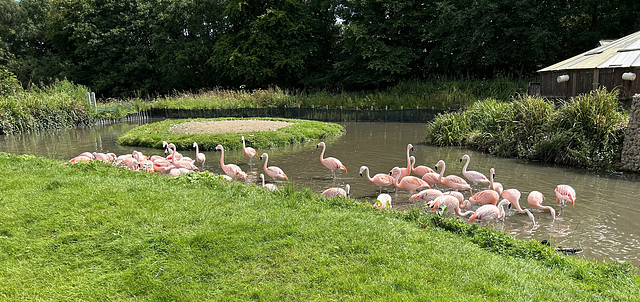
(582, 81)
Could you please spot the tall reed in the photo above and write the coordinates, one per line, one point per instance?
(59, 105)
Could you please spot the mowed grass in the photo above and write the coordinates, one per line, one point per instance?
(97, 232)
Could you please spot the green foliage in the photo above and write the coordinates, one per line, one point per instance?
(152, 135)
(9, 84)
(56, 106)
(586, 131)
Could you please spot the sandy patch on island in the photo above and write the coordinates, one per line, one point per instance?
(228, 126)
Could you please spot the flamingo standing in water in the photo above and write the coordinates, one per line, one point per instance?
(565, 193)
(331, 163)
(383, 201)
(489, 212)
(473, 176)
(419, 170)
(535, 200)
(496, 186)
(380, 179)
(199, 156)
(270, 187)
(248, 151)
(452, 181)
(513, 196)
(231, 170)
(333, 192)
(273, 171)
(410, 183)
(485, 197)
(406, 171)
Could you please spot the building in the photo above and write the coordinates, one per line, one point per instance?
(613, 64)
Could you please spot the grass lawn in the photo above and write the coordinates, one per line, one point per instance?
(91, 231)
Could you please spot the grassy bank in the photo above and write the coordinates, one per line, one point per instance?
(61, 105)
(439, 93)
(585, 131)
(95, 232)
(152, 135)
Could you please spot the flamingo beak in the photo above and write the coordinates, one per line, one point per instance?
(360, 174)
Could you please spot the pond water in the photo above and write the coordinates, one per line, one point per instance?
(604, 222)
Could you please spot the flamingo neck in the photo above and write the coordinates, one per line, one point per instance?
(464, 169)
(262, 177)
(197, 151)
(322, 153)
(221, 157)
(409, 166)
(441, 172)
(243, 145)
(368, 175)
(266, 159)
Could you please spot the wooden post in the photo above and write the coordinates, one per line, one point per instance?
(326, 113)
(313, 111)
(401, 111)
(386, 111)
(356, 113)
(340, 113)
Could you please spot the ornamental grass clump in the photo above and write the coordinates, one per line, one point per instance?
(585, 131)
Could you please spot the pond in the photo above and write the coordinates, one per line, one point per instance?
(604, 222)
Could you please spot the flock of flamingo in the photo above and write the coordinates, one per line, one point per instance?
(435, 190)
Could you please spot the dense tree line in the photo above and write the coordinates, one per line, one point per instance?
(125, 47)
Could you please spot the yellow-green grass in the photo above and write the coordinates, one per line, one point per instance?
(152, 135)
(92, 231)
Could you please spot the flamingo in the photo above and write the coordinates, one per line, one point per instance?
(273, 171)
(490, 212)
(485, 197)
(513, 196)
(173, 154)
(419, 170)
(333, 192)
(380, 179)
(248, 151)
(199, 156)
(331, 163)
(496, 186)
(565, 193)
(452, 204)
(464, 204)
(82, 158)
(535, 199)
(101, 157)
(231, 170)
(452, 181)
(383, 201)
(270, 187)
(183, 163)
(473, 176)
(406, 171)
(427, 195)
(410, 183)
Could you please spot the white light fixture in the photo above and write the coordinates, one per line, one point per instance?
(563, 78)
(628, 76)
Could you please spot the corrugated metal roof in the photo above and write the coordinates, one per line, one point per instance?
(624, 52)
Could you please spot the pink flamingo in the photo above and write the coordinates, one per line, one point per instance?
(419, 170)
(331, 163)
(101, 157)
(452, 181)
(380, 179)
(513, 196)
(410, 183)
(333, 192)
(535, 200)
(406, 171)
(270, 187)
(83, 157)
(427, 195)
(231, 170)
(452, 204)
(199, 156)
(565, 193)
(383, 201)
(464, 204)
(490, 212)
(485, 197)
(473, 176)
(184, 164)
(273, 171)
(168, 148)
(248, 151)
(496, 186)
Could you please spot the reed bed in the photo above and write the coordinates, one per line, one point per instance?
(60, 105)
(586, 131)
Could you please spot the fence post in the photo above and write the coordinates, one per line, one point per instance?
(417, 115)
(313, 112)
(340, 113)
(89, 97)
(401, 111)
(357, 113)
(386, 109)
(299, 105)
(93, 96)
